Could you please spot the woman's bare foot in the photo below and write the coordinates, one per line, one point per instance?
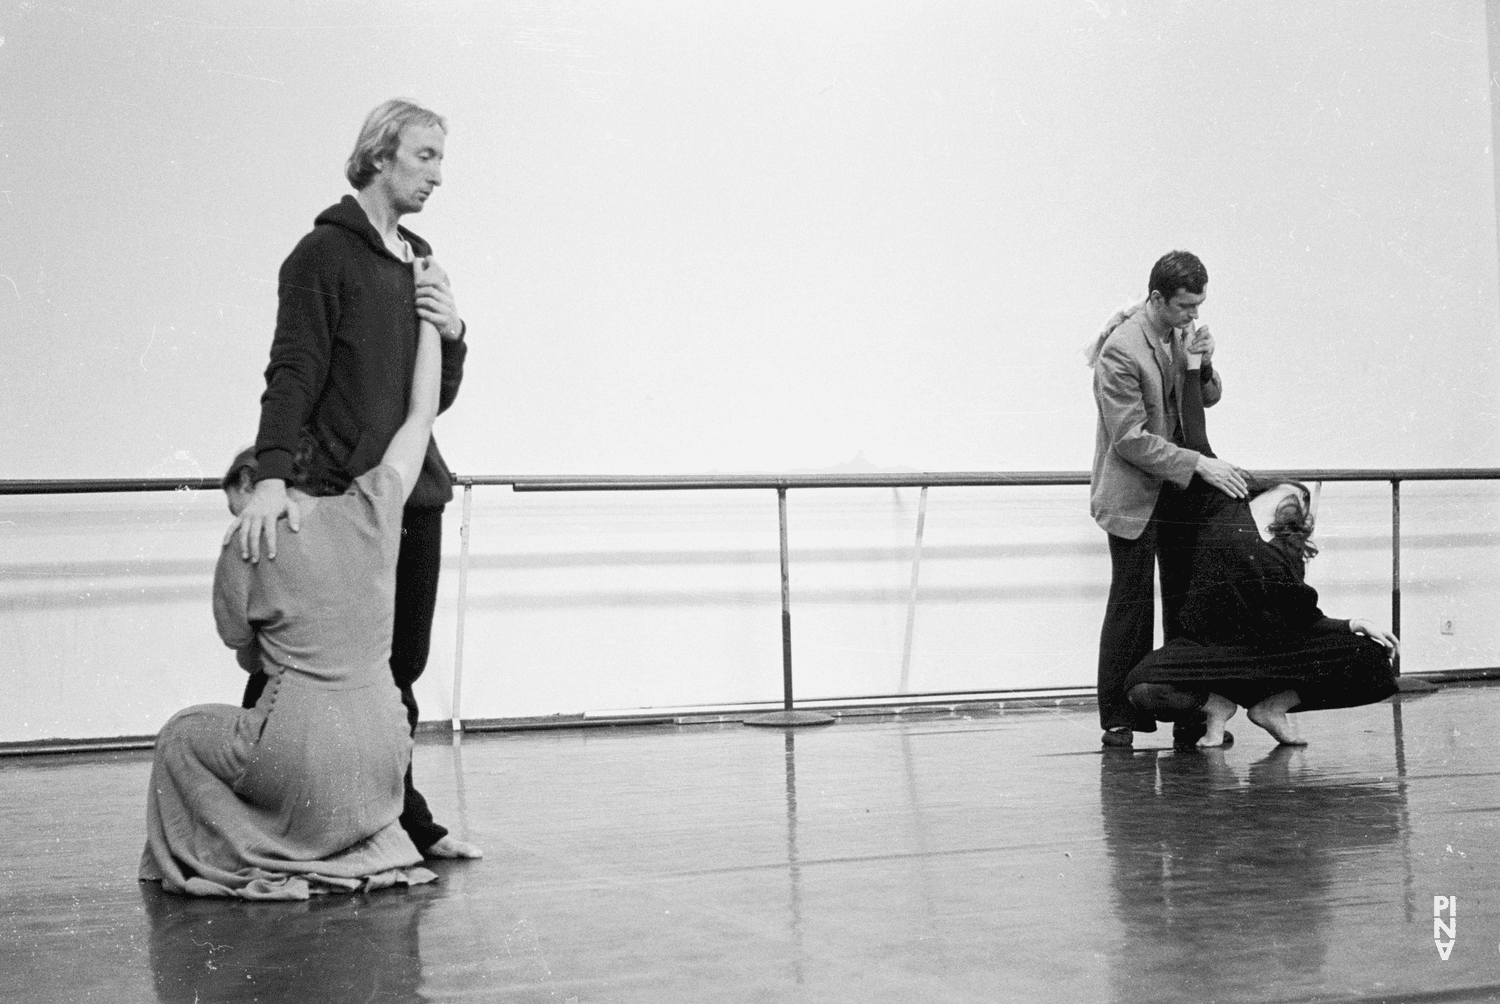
(1270, 715)
(451, 847)
(1216, 710)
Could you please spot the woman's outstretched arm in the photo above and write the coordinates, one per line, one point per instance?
(408, 448)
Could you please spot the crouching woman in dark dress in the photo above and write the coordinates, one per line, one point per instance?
(1252, 633)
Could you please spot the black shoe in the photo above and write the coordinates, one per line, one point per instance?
(1118, 736)
(1187, 734)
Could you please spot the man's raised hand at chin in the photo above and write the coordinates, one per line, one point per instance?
(1201, 343)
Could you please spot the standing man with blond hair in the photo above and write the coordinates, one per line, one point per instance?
(351, 295)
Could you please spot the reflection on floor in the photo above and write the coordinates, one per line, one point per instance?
(987, 858)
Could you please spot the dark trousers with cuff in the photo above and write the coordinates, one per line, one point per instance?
(1167, 543)
(1128, 632)
(417, 569)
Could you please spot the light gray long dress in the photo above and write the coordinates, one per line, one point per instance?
(301, 793)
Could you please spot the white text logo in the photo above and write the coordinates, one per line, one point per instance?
(1444, 928)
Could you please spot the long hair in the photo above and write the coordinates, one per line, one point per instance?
(381, 135)
(1292, 523)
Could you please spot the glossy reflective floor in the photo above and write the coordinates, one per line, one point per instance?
(997, 857)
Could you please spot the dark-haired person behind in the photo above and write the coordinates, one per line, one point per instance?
(303, 792)
(1252, 635)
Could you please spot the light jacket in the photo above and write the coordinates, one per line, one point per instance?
(1134, 454)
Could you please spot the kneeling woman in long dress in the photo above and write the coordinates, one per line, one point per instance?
(301, 793)
(1252, 633)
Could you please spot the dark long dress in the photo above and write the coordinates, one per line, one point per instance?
(1252, 627)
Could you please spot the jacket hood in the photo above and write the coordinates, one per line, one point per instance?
(350, 215)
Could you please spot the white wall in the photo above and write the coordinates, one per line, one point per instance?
(763, 236)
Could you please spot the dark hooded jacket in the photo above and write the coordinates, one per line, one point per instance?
(342, 360)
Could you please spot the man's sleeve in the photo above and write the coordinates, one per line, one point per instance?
(307, 315)
(1117, 388)
(1213, 387)
(454, 353)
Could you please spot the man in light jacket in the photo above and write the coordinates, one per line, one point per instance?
(1141, 466)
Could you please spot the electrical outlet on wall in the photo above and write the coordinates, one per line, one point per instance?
(1445, 624)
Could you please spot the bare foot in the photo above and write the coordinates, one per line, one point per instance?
(1270, 715)
(1217, 710)
(452, 847)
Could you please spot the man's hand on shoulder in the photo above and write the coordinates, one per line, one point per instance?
(259, 517)
(1223, 475)
(435, 302)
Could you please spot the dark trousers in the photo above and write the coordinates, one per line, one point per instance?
(1127, 634)
(1167, 543)
(416, 600)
